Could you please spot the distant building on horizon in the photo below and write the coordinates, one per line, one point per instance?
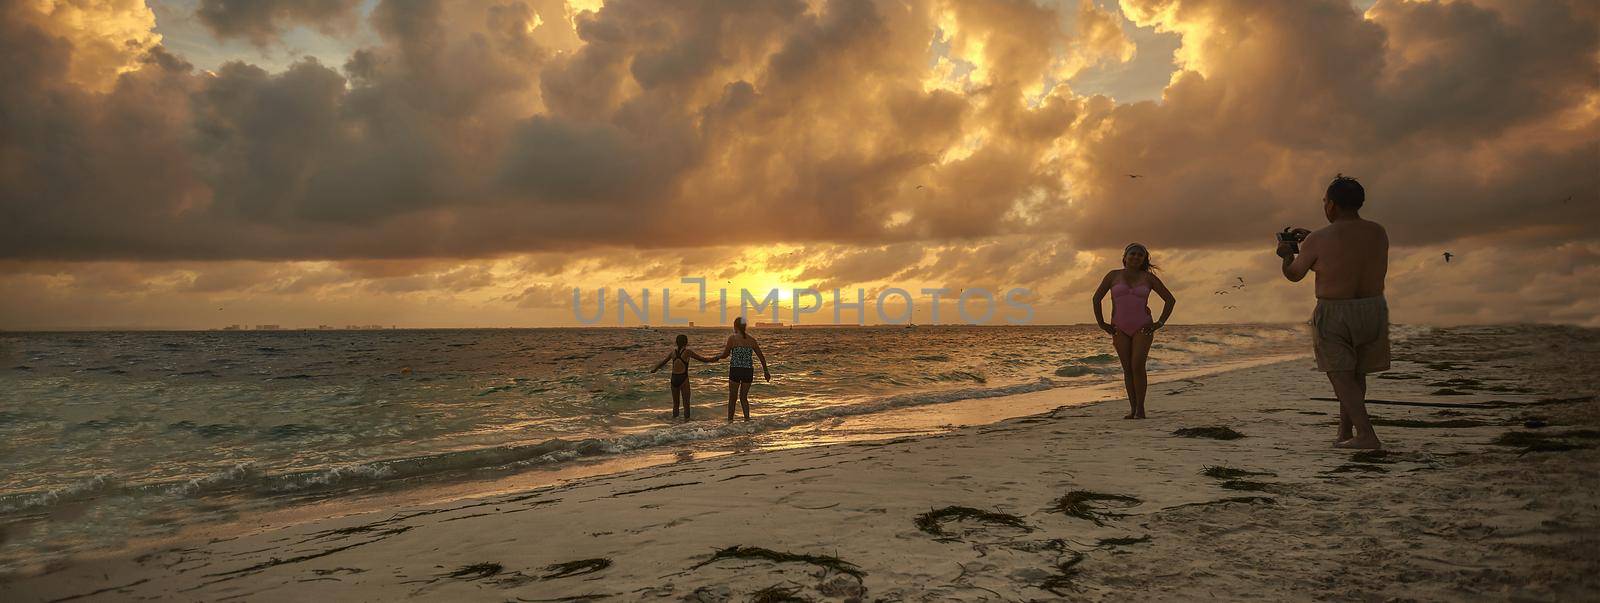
(268, 327)
(233, 328)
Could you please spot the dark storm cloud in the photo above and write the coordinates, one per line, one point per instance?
(1458, 117)
(480, 129)
(260, 21)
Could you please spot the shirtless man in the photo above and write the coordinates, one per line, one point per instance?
(1350, 327)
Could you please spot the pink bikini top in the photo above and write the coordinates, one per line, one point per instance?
(1131, 297)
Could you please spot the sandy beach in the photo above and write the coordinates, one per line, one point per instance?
(1073, 504)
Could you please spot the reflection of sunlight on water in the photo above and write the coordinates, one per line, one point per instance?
(480, 404)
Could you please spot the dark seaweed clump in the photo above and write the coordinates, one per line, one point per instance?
(1530, 441)
(778, 594)
(1080, 504)
(758, 553)
(575, 568)
(1249, 500)
(1245, 485)
(1216, 433)
(1123, 541)
(1065, 572)
(932, 521)
(1220, 472)
(1372, 456)
(476, 570)
(1357, 468)
(1416, 424)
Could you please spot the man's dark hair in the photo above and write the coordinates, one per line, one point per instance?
(682, 340)
(1345, 192)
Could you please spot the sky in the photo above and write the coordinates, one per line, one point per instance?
(200, 163)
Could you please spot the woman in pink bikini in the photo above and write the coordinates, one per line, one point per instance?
(1131, 328)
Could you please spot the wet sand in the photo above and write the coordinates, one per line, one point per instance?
(1073, 503)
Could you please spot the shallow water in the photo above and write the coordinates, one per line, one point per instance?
(117, 435)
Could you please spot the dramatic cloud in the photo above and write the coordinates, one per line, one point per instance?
(499, 152)
(260, 21)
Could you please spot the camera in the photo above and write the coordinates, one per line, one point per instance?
(1288, 235)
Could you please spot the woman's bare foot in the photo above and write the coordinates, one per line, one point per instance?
(1360, 443)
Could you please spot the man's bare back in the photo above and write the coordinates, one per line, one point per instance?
(1350, 325)
(1350, 257)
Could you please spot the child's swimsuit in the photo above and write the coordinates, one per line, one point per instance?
(1130, 310)
(741, 368)
(679, 378)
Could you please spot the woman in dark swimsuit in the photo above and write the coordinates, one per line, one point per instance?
(680, 373)
(1131, 327)
(741, 371)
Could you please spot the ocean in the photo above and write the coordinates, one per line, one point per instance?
(111, 437)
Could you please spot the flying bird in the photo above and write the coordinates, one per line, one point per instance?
(1135, 175)
(1229, 307)
(1238, 286)
(1241, 279)
(919, 186)
(1219, 292)
(1447, 256)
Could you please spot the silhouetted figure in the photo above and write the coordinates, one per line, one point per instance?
(1447, 256)
(741, 370)
(1133, 332)
(1350, 326)
(680, 373)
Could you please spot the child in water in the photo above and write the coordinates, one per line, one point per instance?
(680, 373)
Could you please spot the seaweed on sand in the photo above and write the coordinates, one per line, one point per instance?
(1416, 424)
(778, 594)
(1398, 376)
(1357, 468)
(1217, 432)
(575, 568)
(1123, 541)
(755, 552)
(1250, 500)
(1065, 572)
(1547, 401)
(1246, 485)
(1220, 472)
(1530, 441)
(932, 521)
(1457, 382)
(1080, 504)
(1372, 456)
(476, 571)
